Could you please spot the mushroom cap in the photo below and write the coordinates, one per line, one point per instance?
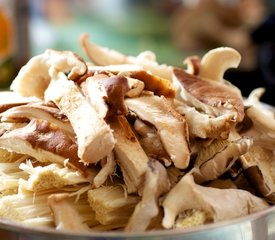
(215, 94)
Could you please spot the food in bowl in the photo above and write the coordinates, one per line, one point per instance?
(123, 143)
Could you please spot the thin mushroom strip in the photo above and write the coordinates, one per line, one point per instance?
(125, 144)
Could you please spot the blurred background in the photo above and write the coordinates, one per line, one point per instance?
(173, 29)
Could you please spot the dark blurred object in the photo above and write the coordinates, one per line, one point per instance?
(264, 36)
(264, 74)
(22, 52)
(206, 24)
(14, 48)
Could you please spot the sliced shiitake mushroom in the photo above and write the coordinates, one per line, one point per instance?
(259, 169)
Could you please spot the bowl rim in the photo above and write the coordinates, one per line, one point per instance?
(17, 227)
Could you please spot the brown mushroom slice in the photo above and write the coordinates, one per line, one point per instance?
(107, 169)
(135, 86)
(218, 204)
(160, 86)
(221, 183)
(171, 126)
(116, 88)
(94, 136)
(203, 125)
(106, 93)
(156, 184)
(43, 141)
(193, 64)
(65, 215)
(215, 97)
(38, 111)
(52, 176)
(111, 205)
(104, 56)
(34, 78)
(129, 154)
(259, 170)
(215, 159)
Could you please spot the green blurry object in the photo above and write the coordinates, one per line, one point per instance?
(130, 29)
(7, 73)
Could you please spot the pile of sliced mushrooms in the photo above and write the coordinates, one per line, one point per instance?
(123, 143)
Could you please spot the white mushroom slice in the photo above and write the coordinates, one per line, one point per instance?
(104, 56)
(218, 157)
(156, 184)
(38, 111)
(263, 119)
(254, 97)
(129, 154)
(43, 141)
(96, 94)
(9, 97)
(51, 176)
(65, 214)
(107, 169)
(171, 126)
(136, 87)
(203, 125)
(214, 97)
(94, 137)
(216, 61)
(147, 55)
(34, 77)
(218, 204)
(260, 121)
